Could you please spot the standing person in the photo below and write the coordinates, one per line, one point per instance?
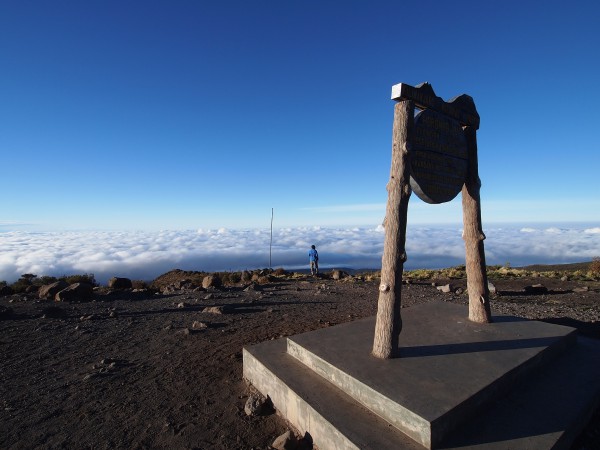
(313, 257)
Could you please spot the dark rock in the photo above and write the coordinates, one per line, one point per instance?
(5, 290)
(75, 292)
(120, 283)
(32, 289)
(536, 289)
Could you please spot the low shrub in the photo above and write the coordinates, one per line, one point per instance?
(85, 278)
(595, 266)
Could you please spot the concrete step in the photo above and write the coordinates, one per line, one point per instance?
(438, 371)
(448, 370)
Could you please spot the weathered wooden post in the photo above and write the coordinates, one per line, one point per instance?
(435, 155)
(477, 285)
(389, 320)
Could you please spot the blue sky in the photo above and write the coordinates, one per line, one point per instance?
(187, 115)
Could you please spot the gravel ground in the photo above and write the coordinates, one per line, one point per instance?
(140, 370)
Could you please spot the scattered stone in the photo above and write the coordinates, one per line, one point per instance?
(250, 288)
(49, 291)
(458, 291)
(209, 296)
(536, 289)
(182, 305)
(581, 289)
(224, 309)
(75, 292)
(197, 325)
(255, 405)
(445, 288)
(287, 441)
(88, 317)
(120, 283)
(564, 278)
(491, 288)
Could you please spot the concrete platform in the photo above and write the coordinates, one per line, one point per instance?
(452, 373)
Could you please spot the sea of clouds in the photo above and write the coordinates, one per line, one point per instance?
(145, 255)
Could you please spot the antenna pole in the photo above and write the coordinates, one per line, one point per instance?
(271, 243)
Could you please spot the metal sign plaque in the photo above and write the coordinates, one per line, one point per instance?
(438, 157)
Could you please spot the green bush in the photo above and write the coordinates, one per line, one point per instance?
(85, 278)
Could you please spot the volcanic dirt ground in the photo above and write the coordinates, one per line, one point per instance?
(144, 370)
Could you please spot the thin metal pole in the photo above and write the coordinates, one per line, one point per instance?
(271, 243)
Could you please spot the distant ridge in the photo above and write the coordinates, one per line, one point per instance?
(549, 267)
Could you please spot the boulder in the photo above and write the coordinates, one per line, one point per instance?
(32, 289)
(75, 292)
(211, 281)
(49, 291)
(120, 283)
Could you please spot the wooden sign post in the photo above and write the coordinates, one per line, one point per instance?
(435, 155)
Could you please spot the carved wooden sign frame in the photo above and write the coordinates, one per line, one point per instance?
(435, 155)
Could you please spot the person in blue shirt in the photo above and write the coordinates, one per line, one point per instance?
(313, 257)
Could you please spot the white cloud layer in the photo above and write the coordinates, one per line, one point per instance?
(145, 255)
